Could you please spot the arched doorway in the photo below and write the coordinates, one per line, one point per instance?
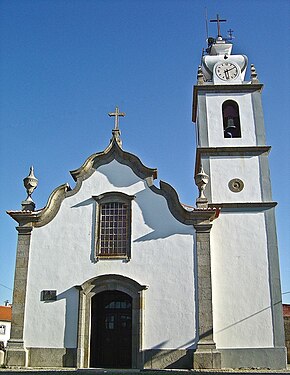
(111, 330)
(88, 294)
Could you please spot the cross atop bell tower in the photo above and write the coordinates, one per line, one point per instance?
(218, 21)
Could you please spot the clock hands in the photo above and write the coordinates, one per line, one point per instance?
(227, 75)
(227, 70)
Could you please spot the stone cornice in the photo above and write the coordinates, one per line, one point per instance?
(244, 205)
(248, 87)
(202, 228)
(45, 215)
(24, 230)
(232, 150)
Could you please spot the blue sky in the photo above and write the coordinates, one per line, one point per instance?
(66, 64)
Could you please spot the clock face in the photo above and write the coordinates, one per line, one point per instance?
(226, 71)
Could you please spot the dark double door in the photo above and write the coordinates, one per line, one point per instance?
(111, 330)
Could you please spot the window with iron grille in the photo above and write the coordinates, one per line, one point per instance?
(113, 234)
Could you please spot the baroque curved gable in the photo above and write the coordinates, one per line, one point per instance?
(114, 152)
(43, 216)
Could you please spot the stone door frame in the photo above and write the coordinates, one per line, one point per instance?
(110, 283)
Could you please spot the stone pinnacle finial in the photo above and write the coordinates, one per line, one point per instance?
(201, 180)
(30, 183)
(254, 75)
(200, 79)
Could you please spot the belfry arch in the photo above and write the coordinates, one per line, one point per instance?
(231, 119)
(93, 287)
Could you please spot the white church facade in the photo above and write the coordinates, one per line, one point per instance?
(117, 273)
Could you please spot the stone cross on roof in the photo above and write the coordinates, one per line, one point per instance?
(116, 114)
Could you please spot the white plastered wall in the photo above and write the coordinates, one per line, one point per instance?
(240, 278)
(215, 120)
(162, 258)
(5, 336)
(223, 169)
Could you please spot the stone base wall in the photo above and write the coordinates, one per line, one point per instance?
(153, 359)
(272, 358)
(2, 355)
(16, 354)
(168, 359)
(52, 357)
(287, 336)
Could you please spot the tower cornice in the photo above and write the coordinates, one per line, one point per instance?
(242, 206)
(232, 150)
(210, 88)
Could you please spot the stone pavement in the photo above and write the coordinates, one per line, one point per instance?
(55, 371)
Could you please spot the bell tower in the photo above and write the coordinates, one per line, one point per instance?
(230, 130)
(232, 150)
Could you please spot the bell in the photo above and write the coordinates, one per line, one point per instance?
(230, 127)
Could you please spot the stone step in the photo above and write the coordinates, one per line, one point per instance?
(138, 372)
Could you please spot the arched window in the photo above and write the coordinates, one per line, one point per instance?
(231, 119)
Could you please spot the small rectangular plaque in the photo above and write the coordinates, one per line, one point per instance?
(48, 295)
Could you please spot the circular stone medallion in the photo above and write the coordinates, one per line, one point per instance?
(236, 185)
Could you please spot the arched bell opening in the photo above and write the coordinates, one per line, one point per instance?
(231, 119)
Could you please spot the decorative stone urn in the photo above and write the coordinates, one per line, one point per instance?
(201, 180)
(30, 183)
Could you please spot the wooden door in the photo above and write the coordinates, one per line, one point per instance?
(111, 330)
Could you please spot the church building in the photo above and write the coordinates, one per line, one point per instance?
(115, 272)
